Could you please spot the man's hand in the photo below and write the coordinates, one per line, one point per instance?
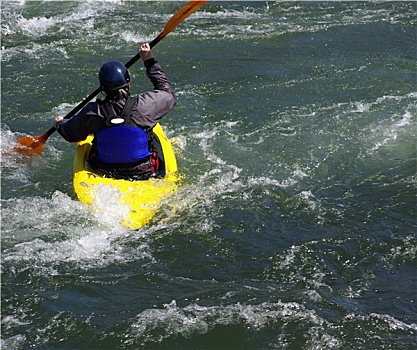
(145, 52)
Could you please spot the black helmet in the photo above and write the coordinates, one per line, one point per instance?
(113, 75)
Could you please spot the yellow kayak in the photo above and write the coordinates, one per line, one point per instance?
(143, 198)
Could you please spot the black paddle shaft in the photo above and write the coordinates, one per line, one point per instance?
(84, 102)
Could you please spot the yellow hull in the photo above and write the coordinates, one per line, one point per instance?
(143, 198)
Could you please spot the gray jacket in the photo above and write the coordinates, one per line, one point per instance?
(151, 107)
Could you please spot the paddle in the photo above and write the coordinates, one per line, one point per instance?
(34, 145)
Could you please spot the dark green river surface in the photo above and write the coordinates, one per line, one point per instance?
(295, 223)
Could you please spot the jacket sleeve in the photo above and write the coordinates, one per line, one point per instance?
(153, 105)
(81, 125)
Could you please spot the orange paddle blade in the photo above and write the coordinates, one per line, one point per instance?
(31, 145)
(180, 15)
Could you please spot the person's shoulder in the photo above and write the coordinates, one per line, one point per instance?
(92, 107)
(97, 102)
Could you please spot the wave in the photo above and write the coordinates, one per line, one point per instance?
(196, 319)
(156, 326)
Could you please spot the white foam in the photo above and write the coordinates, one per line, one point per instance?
(267, 181)
(390, 323)
(16, 342)
(107, 207)
(63, 230)
(36, 25)
(196, 319)
(82, 15)
(391, 133)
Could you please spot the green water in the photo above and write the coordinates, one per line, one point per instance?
(295, 224)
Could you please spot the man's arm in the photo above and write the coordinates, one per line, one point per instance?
(78, 127)
(153, 105)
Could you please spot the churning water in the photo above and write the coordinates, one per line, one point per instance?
(295, 224)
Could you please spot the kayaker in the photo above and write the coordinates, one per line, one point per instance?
(124, 145)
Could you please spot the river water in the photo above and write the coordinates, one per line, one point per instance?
(295, 224)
